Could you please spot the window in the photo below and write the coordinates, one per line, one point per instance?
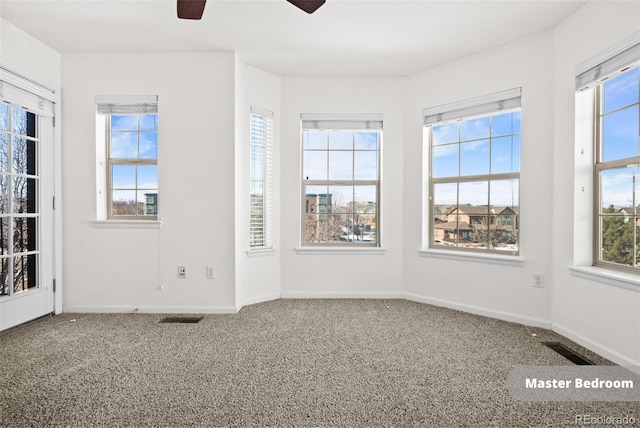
(341, 180)
(131, 156)
(261, 178)
(617, 171)
(474, 174)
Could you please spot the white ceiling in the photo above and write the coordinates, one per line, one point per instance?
(342, 38)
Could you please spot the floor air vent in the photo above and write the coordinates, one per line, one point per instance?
(568, 353)
(181, 320)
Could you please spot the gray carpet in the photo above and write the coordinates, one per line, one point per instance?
(286, 363)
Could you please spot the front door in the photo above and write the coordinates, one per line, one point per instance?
(26, 215)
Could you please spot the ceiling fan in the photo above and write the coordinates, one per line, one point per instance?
(193, 9)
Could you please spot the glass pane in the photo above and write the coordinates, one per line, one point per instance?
(148, 145)
(444, 160)
(340, 228)
(147, 177)
(505, 155)
(148, 122)
(340, 199)
(340, 165)
(126, 122)
(341, 140)
(366, 165)
(124, 145)
(505, 124)
(316, 227)
(23, 122)
(24, 234)
(123, 177)
(317, 200)
(445, 194)
(617, 239)
(474, 194)
(365, 231)
(365, 199)
(4, 235)
(25, 195)
(25, 273)
(24, 156)
(620, 134)
(257, 163)
(504, 193)
(474, 158)
(622, 90)
(124, 203)
(4, 194)
(4, 276)
(616, 189)
(366, 140)
(448, 133)
(503, 233)
(315, 140)
(315, 165)
(148, 202)
(474, 129)
(4, 117)
(4, 153)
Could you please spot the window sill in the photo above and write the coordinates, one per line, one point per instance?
(261, 252)
(498, 259)
(346, 250)
(607, 276)
(127, 224)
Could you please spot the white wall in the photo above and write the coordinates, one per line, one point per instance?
(599, 315)
(121, 269)
(257, 277)
(342, 275)
(503, 291)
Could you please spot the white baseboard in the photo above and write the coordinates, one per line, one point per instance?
(477, 310)
(257, 300)
(349, 295)
(150, 309)
(598, 348)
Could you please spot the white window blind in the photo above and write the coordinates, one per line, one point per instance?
(261, 178)
(341, 122)
(616, 59)
(497, 102)
(22, 92)
(127, 104)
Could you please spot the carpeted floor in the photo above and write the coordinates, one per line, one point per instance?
(286, 363)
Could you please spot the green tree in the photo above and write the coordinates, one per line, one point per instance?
(617, 237)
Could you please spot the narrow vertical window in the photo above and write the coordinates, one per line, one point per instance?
(474, 174)
(261, 178)
(341, 180)
(131, 166)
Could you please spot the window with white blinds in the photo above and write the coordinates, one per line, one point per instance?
(261, 178)
(127, 128)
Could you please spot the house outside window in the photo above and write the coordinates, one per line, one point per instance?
(473, 158)
(129, 126)
(261, 179)
(341, 180)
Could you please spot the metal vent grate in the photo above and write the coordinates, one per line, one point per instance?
(181, 320)
(568, 353)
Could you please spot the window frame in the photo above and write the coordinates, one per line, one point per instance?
(476, 108)
(600, 165)
(265, 240)
(342, 123)
(123, 105)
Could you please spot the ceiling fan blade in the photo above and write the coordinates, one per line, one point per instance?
(308, 6)
(190, 9)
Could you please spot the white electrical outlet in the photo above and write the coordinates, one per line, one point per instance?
(182, 272)
(211, 272)
(538, 280)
